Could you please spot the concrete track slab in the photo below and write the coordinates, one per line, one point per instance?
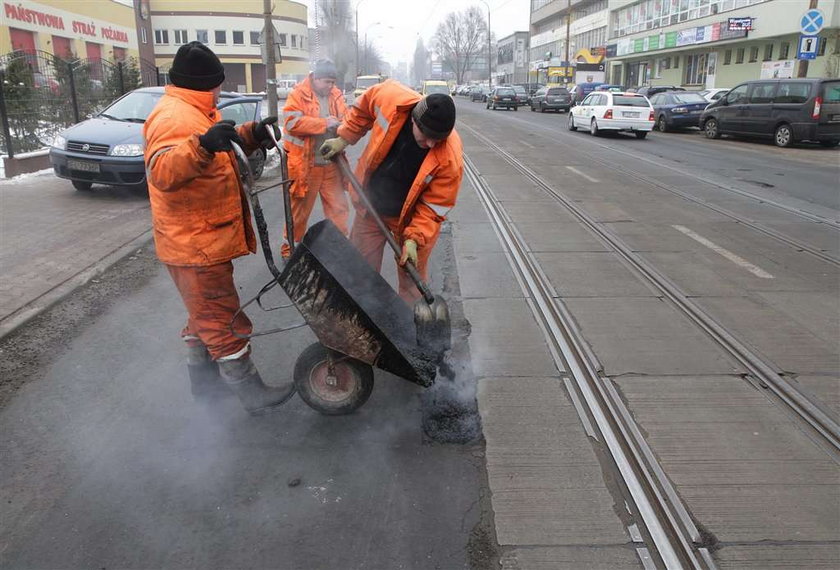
(637, 335)
(604, 211)
(479, 237)
(511, 187)
(506, 340)
(672, 208)
(651, 237)
(560, 236)
(467, 211)
(591, 274)
(771, 333)
(487, 275)
(542, 212)
(765, 481)
(543, 473)
(572, 558)
(818, 312)
(688, 272)
(779, 557)
(818, 235)
(825, 389)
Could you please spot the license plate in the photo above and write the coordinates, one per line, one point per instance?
(630, 114)
(83, 165)
(834, 118)
(506, 99)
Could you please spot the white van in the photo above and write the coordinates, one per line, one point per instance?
(284, 87)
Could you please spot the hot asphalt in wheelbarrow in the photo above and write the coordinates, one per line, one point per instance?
(351, 308)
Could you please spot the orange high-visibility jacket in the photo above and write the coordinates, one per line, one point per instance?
(383, 110)
(200, 212)
(302, 122)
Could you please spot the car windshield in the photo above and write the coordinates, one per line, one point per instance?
(688, 98)
(625, 101)
(504, 91)
(134, 107)
(365, 82)
(520, 90)
(437, 89)
(558, 91)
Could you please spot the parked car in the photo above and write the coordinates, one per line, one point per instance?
(502, 97)
(651, 90)
(581, 90)
(613, 88)
(677, 109)
(788, 110)
(551, 98)
(606, 111)
(711, 95)
(284, 87)
(430, 87)
(521, 94)
(108, 148)
(478, 93)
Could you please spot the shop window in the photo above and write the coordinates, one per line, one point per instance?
(768, 52)
(238, 38)
(255, 38)
(739, 55)
(753, 54)
(294, 41)
(727, 57)
(180, 37)
(695, 69)
(784, 50)
(161, 37)
(220, 37)
(201, 36)
(676, 62)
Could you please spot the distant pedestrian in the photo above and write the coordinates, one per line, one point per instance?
(202, 221)
(411, 169)
(313, 111)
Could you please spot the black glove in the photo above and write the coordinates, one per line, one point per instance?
(219, 136)
(261, 134)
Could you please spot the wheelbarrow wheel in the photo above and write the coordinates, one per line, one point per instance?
(347, 390)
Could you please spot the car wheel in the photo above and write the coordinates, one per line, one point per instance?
(593, 128)
(542, 108)
(829, 144)
(516, 108)
(783, 136)
(661, 124)
(81, 185)
(572, 126)
(532, 109)
(641, 134)
(710, 127)
(257, 161)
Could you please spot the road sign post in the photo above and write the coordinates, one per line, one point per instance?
(810, 24)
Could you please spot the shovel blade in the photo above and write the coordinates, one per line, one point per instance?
(434, 328)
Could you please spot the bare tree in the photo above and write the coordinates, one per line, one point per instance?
(460, 40)
(335, 34)
(372, 62)
(419, 70)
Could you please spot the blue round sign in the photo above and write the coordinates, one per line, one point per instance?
(812, 22)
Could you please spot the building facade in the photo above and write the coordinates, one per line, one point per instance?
(512, 58)
(715, 43)
(233, 30)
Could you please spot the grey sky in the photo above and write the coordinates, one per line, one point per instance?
(395, 24)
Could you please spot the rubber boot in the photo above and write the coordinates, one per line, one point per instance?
(205, 381)
(244, 379)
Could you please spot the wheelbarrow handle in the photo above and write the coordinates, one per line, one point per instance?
(344, 166)
(287, 197)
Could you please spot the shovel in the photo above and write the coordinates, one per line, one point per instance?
(431, 313)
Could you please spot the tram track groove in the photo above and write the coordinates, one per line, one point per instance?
(756, 226)
(815, 421)
(674, 537)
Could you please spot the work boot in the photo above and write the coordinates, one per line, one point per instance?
(205, 380)
(244, 379)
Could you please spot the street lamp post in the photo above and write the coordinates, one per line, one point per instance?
(357, 35)
(489, 71)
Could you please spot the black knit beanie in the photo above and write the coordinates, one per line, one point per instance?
(196, 67)
(435, 115)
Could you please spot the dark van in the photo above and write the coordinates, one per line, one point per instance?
(788, 110)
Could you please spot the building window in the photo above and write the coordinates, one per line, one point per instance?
(727, 57)
(821, 48)
(784, 50)
(676, 62)
(144, 38)
(162, 37)
(649, 14)
(768, 52)
(661, 65)
(180, 36)
(220, 36)
(739, 55)
(695, 69)
(294, 41)
(753, 54)
(238, 38)
(201, 36)
(281, 39)
(255, 38)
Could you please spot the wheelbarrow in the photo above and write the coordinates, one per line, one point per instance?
(359, 320)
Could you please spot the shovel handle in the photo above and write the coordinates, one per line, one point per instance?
(344, 166)
(287, 198)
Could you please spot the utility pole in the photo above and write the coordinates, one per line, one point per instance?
(568, 29)
(270, 63)
(803, 63)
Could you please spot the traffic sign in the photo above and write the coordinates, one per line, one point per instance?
(808, 46)
(812, 22)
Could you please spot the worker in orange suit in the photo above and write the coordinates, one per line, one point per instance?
(411, 170)
(313, 111)
(202, 221)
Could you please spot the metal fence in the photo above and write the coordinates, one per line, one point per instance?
(41, 94)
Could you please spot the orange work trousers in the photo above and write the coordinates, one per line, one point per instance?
(370, 242)
(211, 300)
(326, 182)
